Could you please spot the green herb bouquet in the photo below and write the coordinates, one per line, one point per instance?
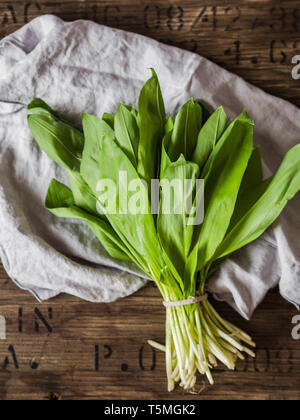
(178, 252)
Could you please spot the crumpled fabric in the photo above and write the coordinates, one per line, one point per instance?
(82, 66)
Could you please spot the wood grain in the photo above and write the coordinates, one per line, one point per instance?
(80, 350)
(65, 362)
(255, 39)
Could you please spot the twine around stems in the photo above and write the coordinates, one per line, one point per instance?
(190, 301)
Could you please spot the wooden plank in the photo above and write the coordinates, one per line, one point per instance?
(99, 351)
(255, 39)
(81, 350)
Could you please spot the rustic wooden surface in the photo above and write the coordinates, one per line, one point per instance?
(79, 350)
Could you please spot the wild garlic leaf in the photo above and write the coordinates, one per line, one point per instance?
(109, 119)
(133, 220)
(191, 269)
(62, 142)
(135, 113)
(60, 202)
(248, 192)
(38, 106)
(282, 188)
(174, 233)
(94, 129)
(222, 185)
(103, 159)
(208, 136)
(151, 121)
(246, 200)
(252, 187)
(206, 113)
(253, 175)
(58, 196)
(165, 160)
(169, 125)
(127, 133)
(186, 129)
(242, 118)
(83, 195)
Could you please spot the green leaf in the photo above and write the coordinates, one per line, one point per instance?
(135, 113)
(103, 159)
(62, 142)
(38, 106)
(242, 118)
(60, 202)
(137, 229)
(253, 175)
(208, 136)
(249, 190)
(230, 160)
(94, 130)
(282, 188)
(152, 120)
(83, 195)
(58, 196)
(186, 129)
(169, 125)
(109, 119)
(206, 113)
(175, 234)
(165, 161)
(127, 133)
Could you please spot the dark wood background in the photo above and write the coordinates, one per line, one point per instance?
(78, 350)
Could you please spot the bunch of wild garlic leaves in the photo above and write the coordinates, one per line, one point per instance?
(171, 248)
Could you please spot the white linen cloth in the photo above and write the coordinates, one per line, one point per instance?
(83, 66)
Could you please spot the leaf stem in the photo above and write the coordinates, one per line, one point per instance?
(196, 339)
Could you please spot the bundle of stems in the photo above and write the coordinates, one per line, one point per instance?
(196, 341)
